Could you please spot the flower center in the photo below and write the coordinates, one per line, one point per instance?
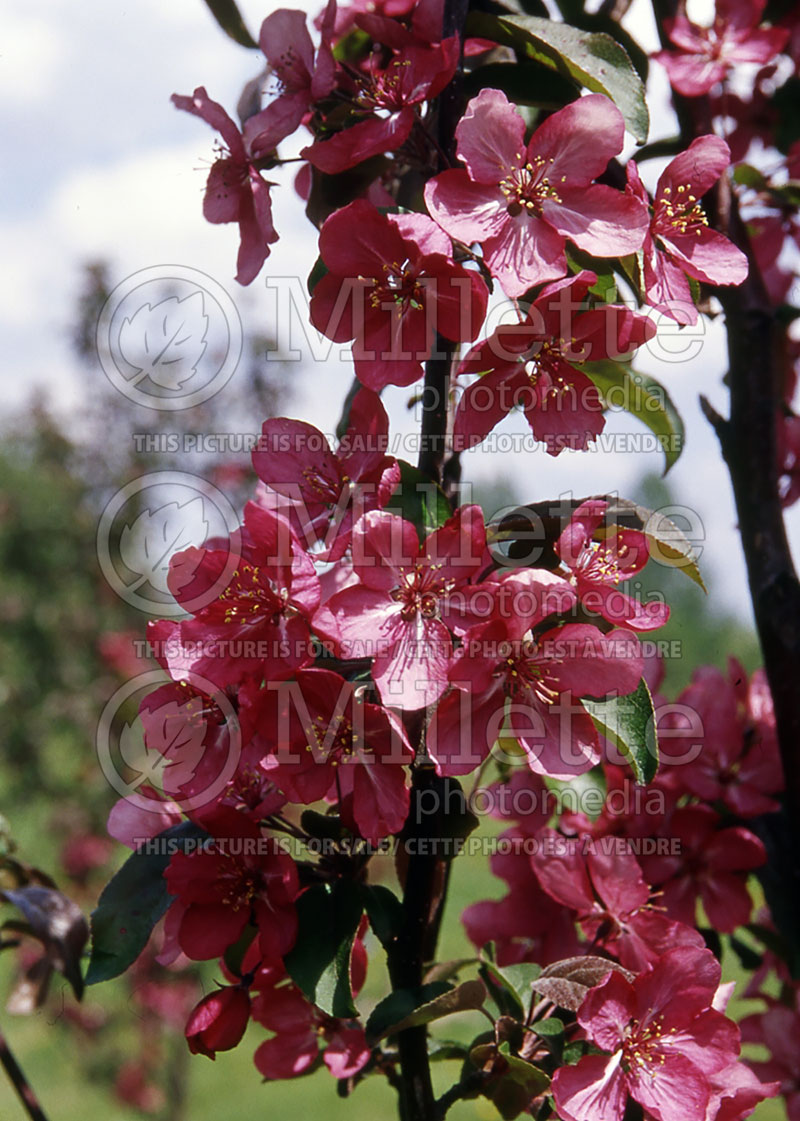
(332, 737)
(244, 884)
(682, 213)
(422, 588)
(642, 1046)
(251, 595)
(322, 487)
(399, 286)
(290, 72)
(383, 89)
(199, 709)
(714, 38)
(526, 187)
(524, 672)
(596, 562)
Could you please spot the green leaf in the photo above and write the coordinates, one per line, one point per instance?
(410, 1008)
(643, 397)
(668, 544)
(605, 287)
(234, 955)
(399, 1005)
(574, 1052)
(524, 83)
(318, 270)
(384, 910)
(352, 46)
(667, 146)
(328, 917)
(787, 194)
(511, 986)
(591, 58)
(326, 827)
(786, 103)
(748, 176)
(230, 20)
(132, 903)
(521, 978)
(630, 723)
(549, 1027)
(504, 995)
(419, 501)
(695, 290)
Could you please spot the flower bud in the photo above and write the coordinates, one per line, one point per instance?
(218, 1022)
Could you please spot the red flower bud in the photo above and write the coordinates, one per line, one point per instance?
(218, 1022)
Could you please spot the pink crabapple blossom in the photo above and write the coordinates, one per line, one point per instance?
(302, 77)
(666, 1041)
(713, 863)
(525, 924)
(324, 492)
(597, 567)
(705, 55)
(243, 877)
(777, 1029)
(738, 763)
(391, 285)
(218, 1022)
(615, 907)
(260, 622)
(320, 736)
(397, 614)
(537, 365)
(680, 242)
(387, 99)
(502, 672)
(523, 202)
(299, 1029)
(236, 190)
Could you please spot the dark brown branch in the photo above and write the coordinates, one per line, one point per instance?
(20, 1082)
(422, 896)
(406, 957)
(436, 390)
(435, 395)
(749, 444)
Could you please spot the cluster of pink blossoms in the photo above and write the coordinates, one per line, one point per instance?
(341, 642)
(631, 875)
(438, 628)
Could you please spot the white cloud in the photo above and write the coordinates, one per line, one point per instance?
(32, 59)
